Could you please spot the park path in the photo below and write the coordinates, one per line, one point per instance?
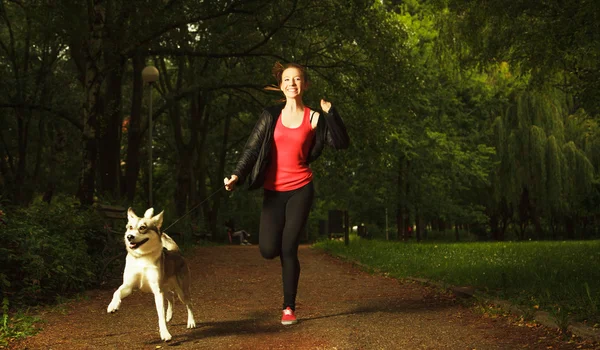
(237, 297)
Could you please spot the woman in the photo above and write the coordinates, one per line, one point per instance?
(285, 139)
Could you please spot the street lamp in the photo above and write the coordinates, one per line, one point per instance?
(150, 75)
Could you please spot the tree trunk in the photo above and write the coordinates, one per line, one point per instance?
(39, 158)
(58, 142)
(5, 171)
(585, 221)
(209, 214)
(506, 214)
(92, 105)
(134, 130)
(495, 227)
(400, 199)
(523, 213)
(23, 140)
(185, 192)
(535, 219)
(419, 228)
(183, 187)
(570, 227)
(405, 232)
(221, 167)
(109, 155)
(538, 225)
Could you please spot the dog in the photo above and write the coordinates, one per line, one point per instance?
(155, 265)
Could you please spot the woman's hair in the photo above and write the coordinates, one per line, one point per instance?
(278, 69)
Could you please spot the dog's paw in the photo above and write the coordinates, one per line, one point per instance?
(165, 335)
(191, 323)
(169, 314)
(113, 306)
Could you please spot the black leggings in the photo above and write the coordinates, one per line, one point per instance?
(283, 218)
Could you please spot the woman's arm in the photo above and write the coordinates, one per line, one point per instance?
(252, 147)
(336, 134)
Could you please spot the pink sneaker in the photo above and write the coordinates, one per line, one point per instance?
(288, 317)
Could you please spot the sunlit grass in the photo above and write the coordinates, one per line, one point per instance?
(549, 275)
(16, 326)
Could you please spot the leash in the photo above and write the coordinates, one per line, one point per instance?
(196, 206)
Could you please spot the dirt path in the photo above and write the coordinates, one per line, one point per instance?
(237, 298)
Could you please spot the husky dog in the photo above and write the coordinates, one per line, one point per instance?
(150, 268)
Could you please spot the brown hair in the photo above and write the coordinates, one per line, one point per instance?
(278, 70)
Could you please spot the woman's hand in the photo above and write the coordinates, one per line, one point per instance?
(230, 182)
(325, 105)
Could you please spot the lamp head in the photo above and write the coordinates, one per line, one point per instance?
(150, 74)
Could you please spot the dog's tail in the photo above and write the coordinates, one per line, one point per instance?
(169, 243)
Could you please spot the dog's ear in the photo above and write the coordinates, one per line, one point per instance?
(148, 214)
(158, 219)
(130, 214)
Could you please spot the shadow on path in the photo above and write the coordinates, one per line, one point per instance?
(237, 301)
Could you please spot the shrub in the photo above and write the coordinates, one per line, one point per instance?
(45, 250)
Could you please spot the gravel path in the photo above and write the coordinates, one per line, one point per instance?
(237, 297)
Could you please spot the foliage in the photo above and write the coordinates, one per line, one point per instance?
(456, 99)
(550, 40)
(549, 275)
(48, 250)
(543, 170)
(15, 326)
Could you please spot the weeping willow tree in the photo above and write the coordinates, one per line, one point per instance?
(544, 175)
(554, 184)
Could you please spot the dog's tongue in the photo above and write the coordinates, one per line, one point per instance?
(136, 245)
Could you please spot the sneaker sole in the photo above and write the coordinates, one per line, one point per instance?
(287, 323)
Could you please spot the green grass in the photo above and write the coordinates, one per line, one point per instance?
(16, 326)
(559, 277)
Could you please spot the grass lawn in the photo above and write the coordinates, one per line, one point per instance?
(562, 278)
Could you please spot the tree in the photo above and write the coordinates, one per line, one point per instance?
(552, 40)
(33, 72)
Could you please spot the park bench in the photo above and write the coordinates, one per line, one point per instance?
(338, 225)
(362, 231)
(199, 234)
(115, 219)
(112, 214)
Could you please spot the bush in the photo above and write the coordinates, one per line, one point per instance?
(45, 250)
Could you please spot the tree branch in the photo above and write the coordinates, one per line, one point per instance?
(37, 107)
(229, 10)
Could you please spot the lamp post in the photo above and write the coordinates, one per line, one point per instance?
(150, 75)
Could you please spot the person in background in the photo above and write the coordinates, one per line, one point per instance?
(286, 138)
(243, 235)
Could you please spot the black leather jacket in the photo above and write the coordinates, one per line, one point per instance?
(256, 155)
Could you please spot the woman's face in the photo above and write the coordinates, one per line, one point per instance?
(292, 82)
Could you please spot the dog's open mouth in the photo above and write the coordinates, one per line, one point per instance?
(135, 245)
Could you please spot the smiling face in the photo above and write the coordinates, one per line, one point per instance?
(293, 82)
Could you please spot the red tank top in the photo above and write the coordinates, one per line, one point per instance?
(288, 169)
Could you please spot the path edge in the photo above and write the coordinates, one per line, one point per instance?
(578, 329)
